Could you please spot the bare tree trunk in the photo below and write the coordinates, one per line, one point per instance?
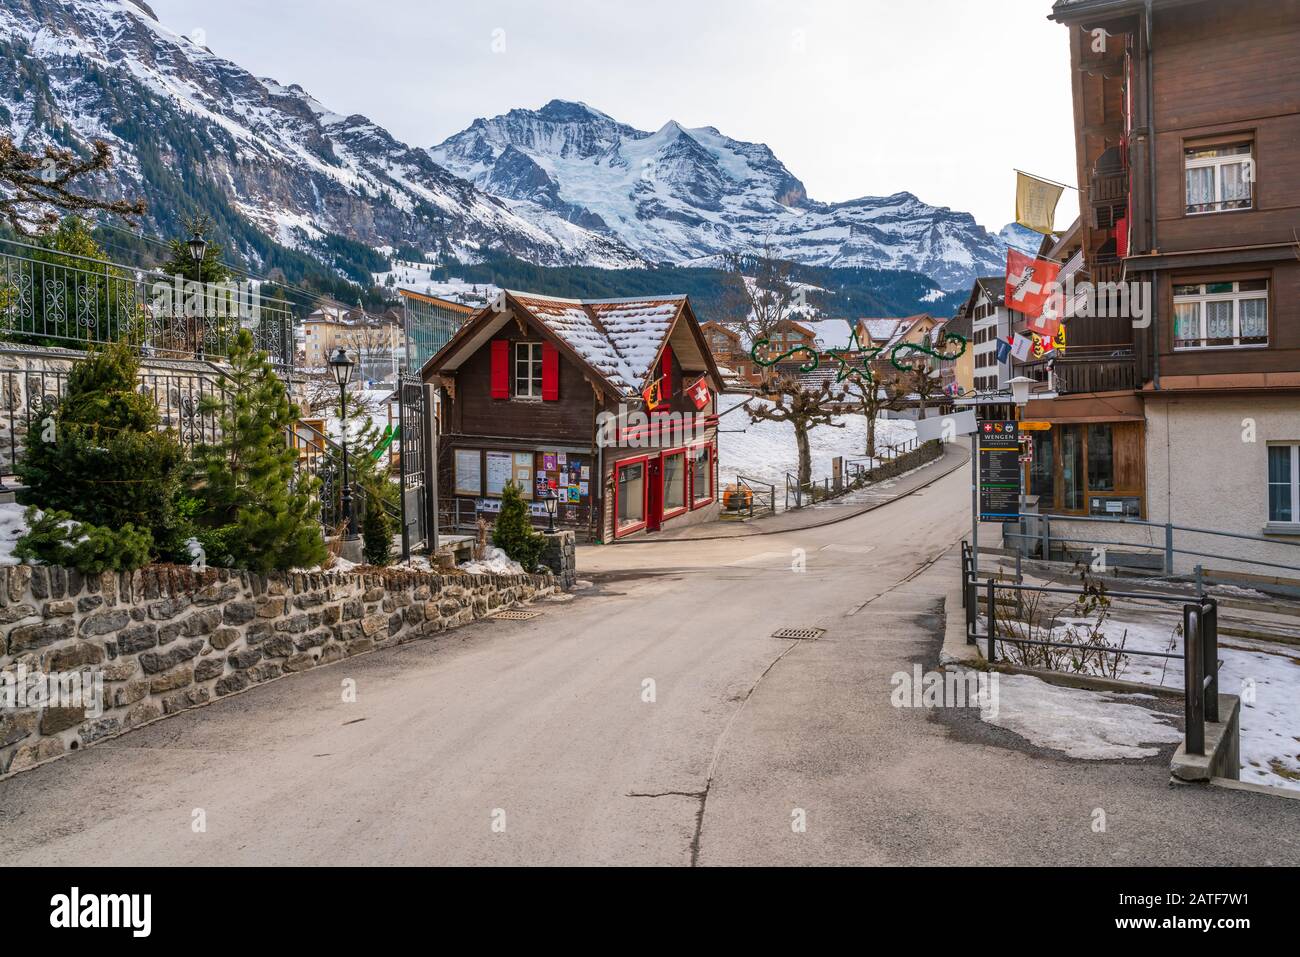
(805, 452)
(871, 434)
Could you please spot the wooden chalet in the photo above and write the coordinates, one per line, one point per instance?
(548, 393)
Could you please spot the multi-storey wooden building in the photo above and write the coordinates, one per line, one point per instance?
(1187, 120)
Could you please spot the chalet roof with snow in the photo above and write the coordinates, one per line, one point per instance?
(619, 340)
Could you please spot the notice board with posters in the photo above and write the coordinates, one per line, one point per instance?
(567, 474)
(999, 465)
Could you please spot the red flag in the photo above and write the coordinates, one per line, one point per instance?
(1029, 284)
(699, 392)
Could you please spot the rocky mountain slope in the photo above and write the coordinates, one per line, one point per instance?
(688, 195)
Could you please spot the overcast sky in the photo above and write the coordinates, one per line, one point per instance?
(943, 98)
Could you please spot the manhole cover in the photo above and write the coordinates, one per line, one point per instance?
(802, 634)
(516, 615)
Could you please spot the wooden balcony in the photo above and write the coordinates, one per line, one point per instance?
(1096, 369)
(1107, 197)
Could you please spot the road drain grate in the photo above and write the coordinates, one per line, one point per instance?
(802, 634)
(516, 615)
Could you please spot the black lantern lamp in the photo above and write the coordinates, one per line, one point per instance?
(198, 246)
(552, 501)
(341, 367)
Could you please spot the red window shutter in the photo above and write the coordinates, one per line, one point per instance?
(500, 369)
(667, 365)
(550, 373)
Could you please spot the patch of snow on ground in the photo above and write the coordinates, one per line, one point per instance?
(13, 526)
(1084, 724)
(767, 450)
(1265, 675)
(497, 562)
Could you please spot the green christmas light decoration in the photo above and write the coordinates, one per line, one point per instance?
(849, 368)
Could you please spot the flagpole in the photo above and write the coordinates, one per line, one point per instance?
(1044, 179)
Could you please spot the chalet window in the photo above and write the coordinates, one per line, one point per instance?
(1219, 178)
(674, 472)
(701, 475)
(1284, 483)
(528, 370)
(629, 492)
(1221, 314)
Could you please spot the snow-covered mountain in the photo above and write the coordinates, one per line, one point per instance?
(689, 195)
(192, 130)
(563, 185)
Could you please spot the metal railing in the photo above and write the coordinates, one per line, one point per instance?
(1044, 538)
(190, 403)
(1200, 654)
(52, 298)
(857, 473)
(756, 496)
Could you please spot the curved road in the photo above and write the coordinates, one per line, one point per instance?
(534, 742)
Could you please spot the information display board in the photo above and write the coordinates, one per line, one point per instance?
(1000, 476)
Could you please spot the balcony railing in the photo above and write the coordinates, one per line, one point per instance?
(1096, 369)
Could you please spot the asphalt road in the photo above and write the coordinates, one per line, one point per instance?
(536, 742)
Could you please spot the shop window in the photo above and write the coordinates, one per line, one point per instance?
(674, 482)
(1101, 459)
(630, 496)
(701, 475)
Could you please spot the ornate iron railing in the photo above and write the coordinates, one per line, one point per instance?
(51, 298)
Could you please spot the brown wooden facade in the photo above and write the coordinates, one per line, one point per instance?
(1178, 83)
(580, 436)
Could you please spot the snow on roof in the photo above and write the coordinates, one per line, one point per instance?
(619, 338)
(884, 331)
(831, 333)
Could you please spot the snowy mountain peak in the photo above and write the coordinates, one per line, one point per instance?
(687, 195)
(267, 156)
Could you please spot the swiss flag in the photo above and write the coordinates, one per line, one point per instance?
(1029, 283)
(699, 392)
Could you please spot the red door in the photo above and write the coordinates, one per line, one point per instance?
(654, 496)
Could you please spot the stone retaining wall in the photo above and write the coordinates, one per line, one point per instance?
(165, 639)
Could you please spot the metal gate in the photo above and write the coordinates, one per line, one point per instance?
(416, 456)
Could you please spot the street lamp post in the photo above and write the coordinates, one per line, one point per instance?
(198, 247)
(341, 366)
(551, 501)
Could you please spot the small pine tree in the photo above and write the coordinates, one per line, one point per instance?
(101, 456)
(377, 531)
(513, 532)
(263, 518)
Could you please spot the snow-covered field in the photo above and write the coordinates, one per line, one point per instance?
(418, 277)
(767, 451)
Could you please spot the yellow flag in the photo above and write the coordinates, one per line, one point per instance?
(1036, 201)
(1060, 338)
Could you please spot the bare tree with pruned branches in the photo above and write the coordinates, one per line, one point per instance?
(885, 391)
(34, 187)
(803, 407)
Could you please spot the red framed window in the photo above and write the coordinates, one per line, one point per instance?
(676, 482)
(700, 458)
(630, 498)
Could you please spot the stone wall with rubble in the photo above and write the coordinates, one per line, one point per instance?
(166, 639)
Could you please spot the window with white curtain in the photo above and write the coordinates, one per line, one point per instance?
(1284, 482)
(1221, 314)
(1219, 178)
